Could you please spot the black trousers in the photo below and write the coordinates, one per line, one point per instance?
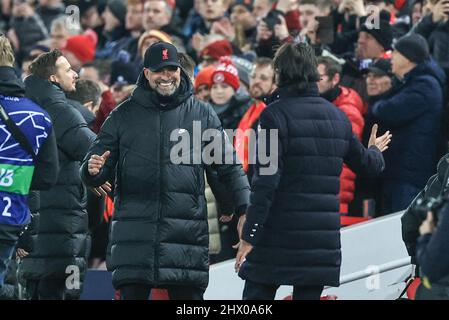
(46, 289)
(258, 291)
(142, 292)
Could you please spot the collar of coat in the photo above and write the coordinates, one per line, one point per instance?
(149, 98)
(43, 91)
(10, 84)
(311, 90)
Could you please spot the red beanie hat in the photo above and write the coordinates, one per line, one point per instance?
(204, 77)
(226, 72)
(217, 49)
(83, 45)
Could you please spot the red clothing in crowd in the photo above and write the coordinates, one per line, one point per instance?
(247, 122)
(351, 104)
(107, 105)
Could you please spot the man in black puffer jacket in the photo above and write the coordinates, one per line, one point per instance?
(292, 232)
(62, 244)
(159, 234)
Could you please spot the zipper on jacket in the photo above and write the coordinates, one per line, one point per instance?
(159, 215)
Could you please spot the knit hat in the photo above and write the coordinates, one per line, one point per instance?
(244, 68)
(204, 77)
(383, 34)
(216, 50)
(226, 72)
(414, 47)
(82, 45)
(118, 9)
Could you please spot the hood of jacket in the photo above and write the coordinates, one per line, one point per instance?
(10, 83)
(149, 98)
(43, 91)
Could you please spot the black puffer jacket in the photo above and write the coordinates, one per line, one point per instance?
(62, 238)
(293, 218)
(159, 233)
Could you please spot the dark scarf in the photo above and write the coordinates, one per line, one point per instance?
(331, 94)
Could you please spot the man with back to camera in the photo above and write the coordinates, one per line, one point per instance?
(291, 232)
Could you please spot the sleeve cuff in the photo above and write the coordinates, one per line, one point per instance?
(251, 232)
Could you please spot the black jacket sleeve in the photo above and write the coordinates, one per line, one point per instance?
(107, 140)
(222, 195)
(231, 175)
(72, 134)
(46, 169)
(410, 228)
(361, 160)
(264, 184)
(433, 249)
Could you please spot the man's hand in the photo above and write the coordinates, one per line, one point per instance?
(281, 30)
(96, 162)
(240, 225)
(263, 32)
(20, 253)
(102, 190)
(428, 225)
(438, 11)
(225, 218)
(381, 142)
(244, 249)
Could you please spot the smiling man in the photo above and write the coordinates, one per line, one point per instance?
(159, 235)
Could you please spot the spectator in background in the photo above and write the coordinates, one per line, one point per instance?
(59, 33)
(91, 18)
(88, 95)
(49, 10)
(26, 28)
(99, 73)
(63, 217)
(203, 83)
(372, 44)
(412, 111)
(348, 101)
(262, 84)
(80, 49)
(379, 78)
(244, 24)
(262, 7)
(157, 15)
(435, 28)
(417, 12)
(229, 107)
(114, 29)
(214, 50)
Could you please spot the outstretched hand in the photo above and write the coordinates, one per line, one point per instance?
(381, 142)
(96, 162)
